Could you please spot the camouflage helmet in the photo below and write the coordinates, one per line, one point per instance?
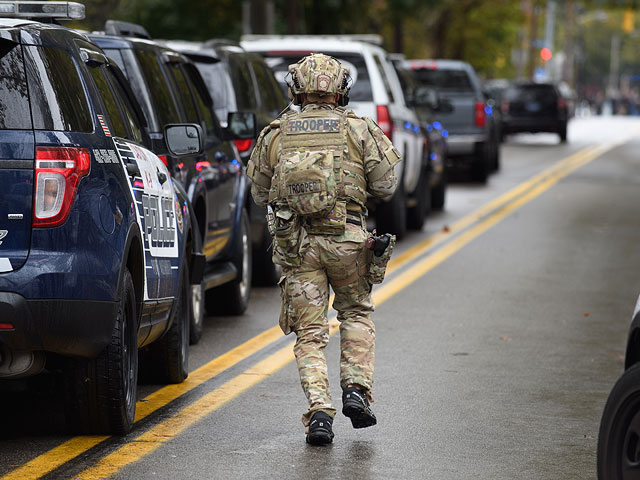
(319, 74)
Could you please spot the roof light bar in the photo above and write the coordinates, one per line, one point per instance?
(41, 10)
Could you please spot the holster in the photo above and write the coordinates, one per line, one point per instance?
(378, 265)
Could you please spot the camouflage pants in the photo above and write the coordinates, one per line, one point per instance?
(339, 262)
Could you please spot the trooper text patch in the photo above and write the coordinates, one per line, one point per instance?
(303, 187)
(313, 125)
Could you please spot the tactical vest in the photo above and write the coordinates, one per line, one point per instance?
(316, 177)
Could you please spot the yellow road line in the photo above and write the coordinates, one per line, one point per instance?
(151, 440)
(56, 457)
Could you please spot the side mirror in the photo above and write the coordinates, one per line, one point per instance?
(426, 97)
(241, 125)
(184, 139)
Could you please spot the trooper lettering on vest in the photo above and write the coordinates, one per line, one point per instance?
(319, 125)
(304, 187)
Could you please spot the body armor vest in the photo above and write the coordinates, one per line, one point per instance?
(316, 175)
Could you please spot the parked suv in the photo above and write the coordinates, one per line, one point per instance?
(376, 93)
(171, 90)
(241, 81)
(428, 106)
(97, 246)
(534, 107)
(473, 133)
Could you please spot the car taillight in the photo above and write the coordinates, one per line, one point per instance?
(58, 171)
(384, 120)
(505, 107)
(244, 144)
(481, 116)
(562, 103)
(164, 159)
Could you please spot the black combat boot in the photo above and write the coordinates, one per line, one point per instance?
(356, 406)
(320, 432)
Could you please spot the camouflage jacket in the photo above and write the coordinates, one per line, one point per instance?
(366, 143)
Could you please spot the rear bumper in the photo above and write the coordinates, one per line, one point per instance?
(463, 144)
(533, 125)
(69, 327)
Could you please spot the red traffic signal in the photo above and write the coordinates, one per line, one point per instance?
(546, 54)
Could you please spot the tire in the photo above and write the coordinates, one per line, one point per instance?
(265, 272)
(480, 165)
(233, 298)
(562, 133)
(171, 352)
(416, 214)
(196, 313)
(391, 216)
(495, 157)
(619, 436)
(101, 393)
(438, 193)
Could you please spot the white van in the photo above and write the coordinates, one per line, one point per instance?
(376, 93)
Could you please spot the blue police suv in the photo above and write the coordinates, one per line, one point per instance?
(97, 247)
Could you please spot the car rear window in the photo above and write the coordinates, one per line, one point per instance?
(161, 96)
(530, 92)
(14, 96)
(58, 100)
(444, 79)
(361, 88)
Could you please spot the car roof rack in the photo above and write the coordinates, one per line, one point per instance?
(42, 11)
(372, 38)
(126, 29)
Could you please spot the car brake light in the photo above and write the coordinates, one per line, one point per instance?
(481, 116)
(244, 144)
(384, 120)
(164, 159)
(58, 171)
(6, 326)
(562, 103)
(505, 107)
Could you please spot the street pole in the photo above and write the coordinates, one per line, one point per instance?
(549, 31)
(614, 67)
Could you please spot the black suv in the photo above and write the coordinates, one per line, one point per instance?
(97, 245)
(171, 90)
(534, 107)
(241, 81)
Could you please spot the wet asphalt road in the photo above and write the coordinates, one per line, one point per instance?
(493, 365)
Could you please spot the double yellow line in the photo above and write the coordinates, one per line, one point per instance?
(417, 260)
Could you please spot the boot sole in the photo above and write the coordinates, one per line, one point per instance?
(319, 438)
(360, 418)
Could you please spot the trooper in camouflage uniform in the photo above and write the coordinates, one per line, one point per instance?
(313, 170)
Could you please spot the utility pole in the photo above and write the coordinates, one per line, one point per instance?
(549, 33)
(257, 16)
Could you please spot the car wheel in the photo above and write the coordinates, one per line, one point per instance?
(495, 156)
(438, 193)
(417, 213)
(101, 393)
(233, 298)
(619, 436)
(197, 314)
(172, 350)
(391, 216)
(265, 272)
(562, 133)
(480, 165)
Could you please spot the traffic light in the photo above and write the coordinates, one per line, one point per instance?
(546, 54)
